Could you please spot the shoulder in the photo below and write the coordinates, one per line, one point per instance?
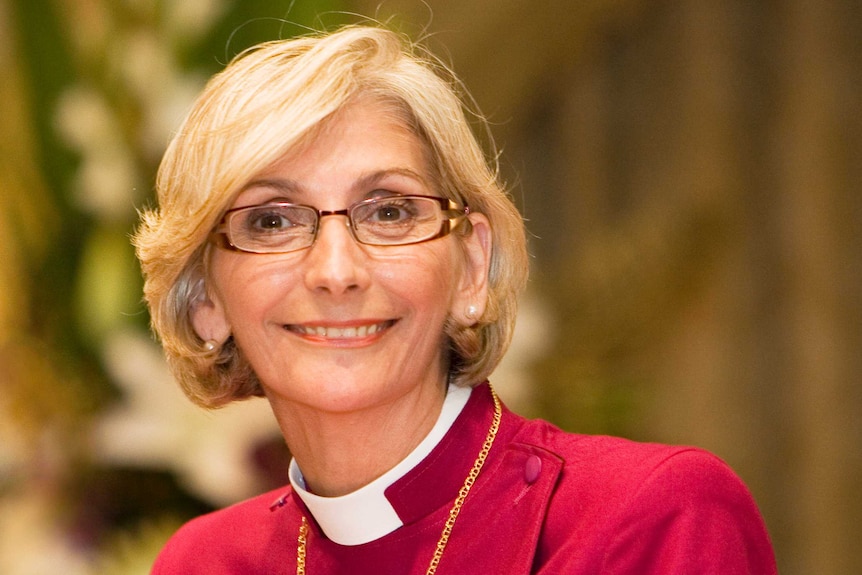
(630, 507)
(598, 461)
(248, 517)
(214, 543)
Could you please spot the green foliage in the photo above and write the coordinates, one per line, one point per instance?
(253, 21)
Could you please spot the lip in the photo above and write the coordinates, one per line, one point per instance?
(341, 332)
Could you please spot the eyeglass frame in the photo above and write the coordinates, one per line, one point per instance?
(221, 236)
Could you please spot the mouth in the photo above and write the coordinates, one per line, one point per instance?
(340, 332)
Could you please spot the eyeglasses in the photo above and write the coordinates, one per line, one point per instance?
(281, 227)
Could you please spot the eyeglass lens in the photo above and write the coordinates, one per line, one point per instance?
(393, 220)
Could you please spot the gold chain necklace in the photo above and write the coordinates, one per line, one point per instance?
(302, 539)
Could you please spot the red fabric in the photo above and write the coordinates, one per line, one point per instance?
(547, 502)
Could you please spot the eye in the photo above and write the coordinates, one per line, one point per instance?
(390, 210)
(270, 221)
(390, 213)
(276, 219)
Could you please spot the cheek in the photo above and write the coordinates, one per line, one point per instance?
(247, 286)
(427, 277)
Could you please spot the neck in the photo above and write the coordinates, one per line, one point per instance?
(342, 452)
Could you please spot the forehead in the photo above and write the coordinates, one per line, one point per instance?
(366, 142)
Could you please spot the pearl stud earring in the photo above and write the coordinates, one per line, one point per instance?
(472, 312)
(210, 345)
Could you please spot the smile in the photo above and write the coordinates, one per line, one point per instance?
(348, 332)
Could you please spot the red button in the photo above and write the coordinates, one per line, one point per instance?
(532, 469)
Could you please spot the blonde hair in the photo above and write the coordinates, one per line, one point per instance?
(263, 103)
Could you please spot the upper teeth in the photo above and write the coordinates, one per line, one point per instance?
(342, 332)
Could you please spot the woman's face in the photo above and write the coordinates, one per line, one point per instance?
(341, 326)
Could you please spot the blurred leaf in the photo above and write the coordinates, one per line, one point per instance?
(253, 21)
(108, 287)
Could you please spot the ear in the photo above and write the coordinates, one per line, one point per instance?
(209, 320)
(472, 289)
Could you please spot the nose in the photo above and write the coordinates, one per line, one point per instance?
(336, 264)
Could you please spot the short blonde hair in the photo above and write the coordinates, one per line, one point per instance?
(265, 102)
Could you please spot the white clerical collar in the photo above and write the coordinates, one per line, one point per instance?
(365, 515)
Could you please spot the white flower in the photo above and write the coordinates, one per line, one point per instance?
(106, 182)
(156, 426)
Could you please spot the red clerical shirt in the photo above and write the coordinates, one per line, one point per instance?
(546, 502)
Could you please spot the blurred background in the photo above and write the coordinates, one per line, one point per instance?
(689, 172)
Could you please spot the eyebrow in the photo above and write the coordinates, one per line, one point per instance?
(374, 178)
(291, 187)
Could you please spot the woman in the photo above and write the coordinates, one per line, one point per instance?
(330, 236)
